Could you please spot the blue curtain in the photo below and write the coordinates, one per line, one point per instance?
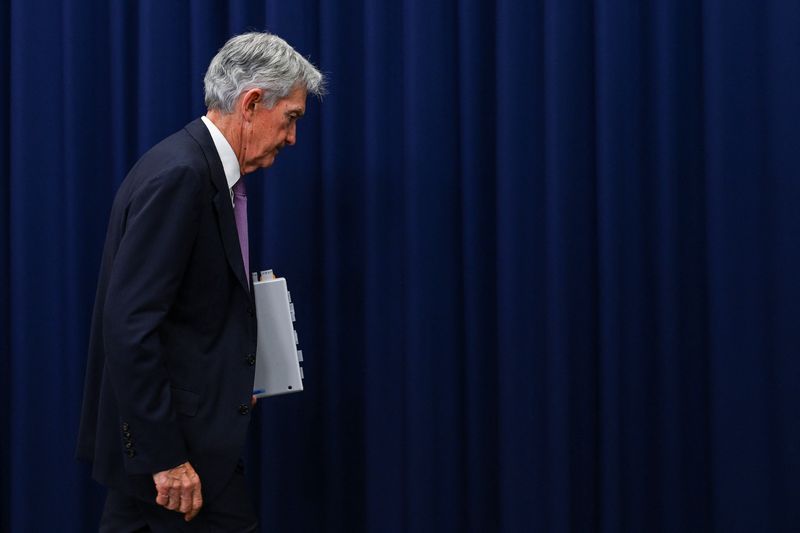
(544, 254)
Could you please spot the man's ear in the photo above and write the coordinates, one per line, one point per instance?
(248, 101)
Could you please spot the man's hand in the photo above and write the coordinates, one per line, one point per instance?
(179, 490)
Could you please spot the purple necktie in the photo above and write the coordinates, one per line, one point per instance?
(240, 213)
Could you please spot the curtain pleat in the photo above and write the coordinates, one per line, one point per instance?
(5, 247)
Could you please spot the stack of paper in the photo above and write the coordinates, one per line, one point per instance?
(278, 360)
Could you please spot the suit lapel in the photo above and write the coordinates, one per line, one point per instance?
(222, 201)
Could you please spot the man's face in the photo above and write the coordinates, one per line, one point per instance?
(273, 129)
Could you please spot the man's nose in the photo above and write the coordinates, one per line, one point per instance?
(291, 138)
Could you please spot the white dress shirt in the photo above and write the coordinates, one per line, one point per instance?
(230, 164)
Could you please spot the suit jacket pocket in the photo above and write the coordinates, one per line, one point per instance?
(185, 402)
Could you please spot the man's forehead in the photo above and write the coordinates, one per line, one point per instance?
(296, 100)
(297, 96)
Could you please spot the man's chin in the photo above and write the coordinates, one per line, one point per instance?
(265, 163)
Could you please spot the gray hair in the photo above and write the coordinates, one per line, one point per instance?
(262, 61)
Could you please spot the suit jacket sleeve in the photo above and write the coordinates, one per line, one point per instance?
(159, 232)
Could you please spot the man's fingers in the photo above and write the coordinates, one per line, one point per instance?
(163, 494)
(178, 489)
(174, 495)
(187, 490)
(191, 514)
(196, 502)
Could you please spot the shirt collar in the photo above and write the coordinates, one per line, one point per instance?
(230, 164)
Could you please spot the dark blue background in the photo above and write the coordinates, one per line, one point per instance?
(544, 254)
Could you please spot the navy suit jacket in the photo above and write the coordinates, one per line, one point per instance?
(173, 336)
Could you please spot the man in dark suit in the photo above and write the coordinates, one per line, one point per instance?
(169, 379)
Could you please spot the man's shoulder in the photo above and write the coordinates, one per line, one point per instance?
(181, 149)
(178, 158)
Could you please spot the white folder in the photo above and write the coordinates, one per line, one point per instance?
(278, 360)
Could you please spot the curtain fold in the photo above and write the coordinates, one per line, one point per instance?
(5, 308)
(543, 256)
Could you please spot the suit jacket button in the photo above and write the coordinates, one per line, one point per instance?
(125, 426)
(243, 409)
(251, 359)
(131, 453)
(127, 434)
(250, 311)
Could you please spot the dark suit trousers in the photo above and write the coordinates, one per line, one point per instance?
(231, 511)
